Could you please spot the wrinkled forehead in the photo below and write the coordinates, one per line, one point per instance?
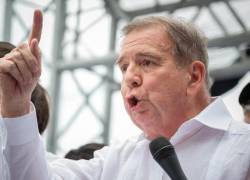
(154, 36)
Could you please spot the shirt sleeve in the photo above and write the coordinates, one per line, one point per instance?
(24, 150)
(26, 155)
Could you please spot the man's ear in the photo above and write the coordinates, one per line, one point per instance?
(196, 77)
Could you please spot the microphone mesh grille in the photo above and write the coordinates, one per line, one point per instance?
(161, 147)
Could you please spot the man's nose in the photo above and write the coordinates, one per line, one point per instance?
(133, 77)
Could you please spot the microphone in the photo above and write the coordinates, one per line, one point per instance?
(164, 154)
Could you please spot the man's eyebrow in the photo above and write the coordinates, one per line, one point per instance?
(148, 54)
(140, 54)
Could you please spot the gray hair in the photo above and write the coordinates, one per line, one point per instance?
(189, 43)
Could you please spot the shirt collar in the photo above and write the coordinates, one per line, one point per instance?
(215, 115)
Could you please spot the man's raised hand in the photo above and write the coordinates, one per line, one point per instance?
(20, 71)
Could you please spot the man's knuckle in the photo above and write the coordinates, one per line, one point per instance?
(22, 45)
(17, 55)
(11, 65)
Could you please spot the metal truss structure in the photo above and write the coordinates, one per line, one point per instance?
(82, 47)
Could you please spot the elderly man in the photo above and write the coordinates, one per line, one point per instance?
(165, 92)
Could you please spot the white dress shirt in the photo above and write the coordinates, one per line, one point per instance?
(211, 146)
(4, 169)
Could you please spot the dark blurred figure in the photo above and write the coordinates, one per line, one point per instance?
(5, 48)
(39, 96)
(84, 152)
(244, 100)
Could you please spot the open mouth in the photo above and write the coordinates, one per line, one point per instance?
(133, 101)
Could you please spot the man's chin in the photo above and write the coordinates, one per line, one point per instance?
(142, 122)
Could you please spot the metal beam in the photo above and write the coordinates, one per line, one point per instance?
(116, 10)
(8, 14)
(109, 85)
(236, 70)
(107, 60)
(170, 7)
(229, 41)
(60, 14)
(217, 20)
(236, 16)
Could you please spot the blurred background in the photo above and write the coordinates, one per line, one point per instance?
(80, 42)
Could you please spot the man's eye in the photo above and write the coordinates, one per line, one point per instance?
(124, 67)
(146, 62)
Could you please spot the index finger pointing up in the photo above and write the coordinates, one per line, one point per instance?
(36, 27)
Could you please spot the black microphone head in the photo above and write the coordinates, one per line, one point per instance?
(164, 154)
(161, 147)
